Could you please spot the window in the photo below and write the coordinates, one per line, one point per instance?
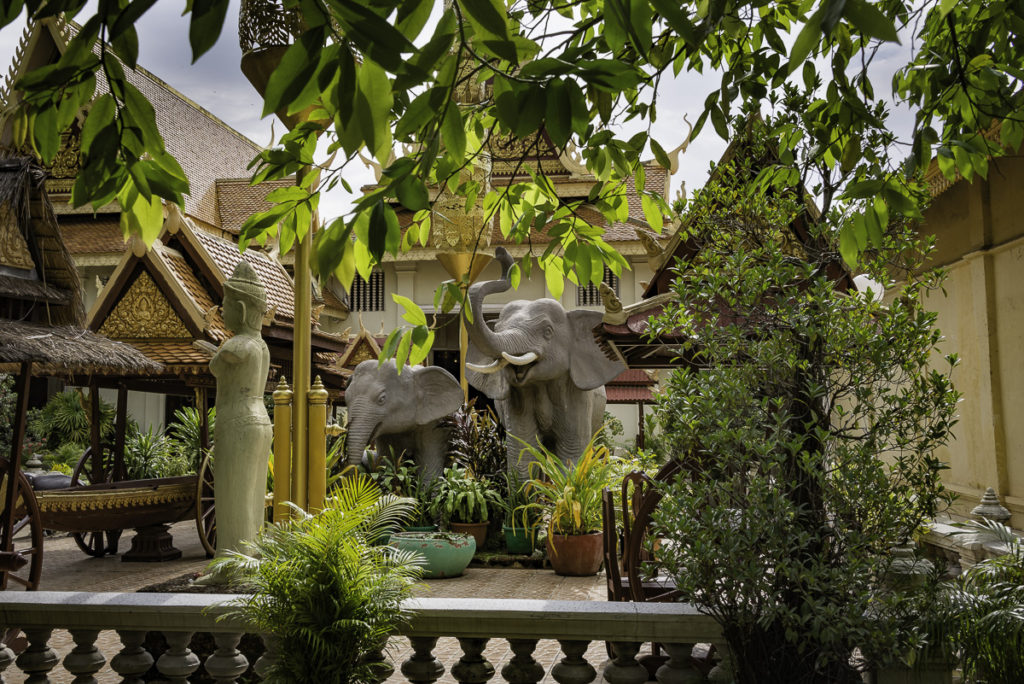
(591, 296)
(367, 296)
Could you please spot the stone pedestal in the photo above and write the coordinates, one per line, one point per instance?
(152, 544)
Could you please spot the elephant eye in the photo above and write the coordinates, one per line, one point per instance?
(381, 398)
(548, 332)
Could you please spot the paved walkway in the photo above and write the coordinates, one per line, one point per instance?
(66, 568)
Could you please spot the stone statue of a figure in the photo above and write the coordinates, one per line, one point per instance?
(243, 432)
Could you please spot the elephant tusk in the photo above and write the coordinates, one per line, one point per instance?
(490, 368)
(524, 360)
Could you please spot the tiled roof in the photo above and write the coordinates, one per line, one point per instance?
(225, 254)
(173, 353)
(92, 235)
(633, 376)
(237, 200)
(617, 232)
(628, 394)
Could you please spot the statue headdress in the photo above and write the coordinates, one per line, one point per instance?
(244, 283)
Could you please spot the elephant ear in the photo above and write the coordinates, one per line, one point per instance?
(494, 385)
(438, 393)
(588, 365)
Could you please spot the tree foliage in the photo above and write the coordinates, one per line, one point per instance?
(806, 416)
(376, 75)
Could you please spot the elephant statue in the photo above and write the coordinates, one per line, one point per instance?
(542, 367)
(401, 411)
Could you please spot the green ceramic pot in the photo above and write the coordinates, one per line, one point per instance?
(446, 553)
(518, 540)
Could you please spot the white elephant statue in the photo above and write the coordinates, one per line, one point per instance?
(402, 411)
(542, 366)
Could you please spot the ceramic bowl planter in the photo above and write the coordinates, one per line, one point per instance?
(519, 540)
(478, 530)
(447, 554)
(576, 555)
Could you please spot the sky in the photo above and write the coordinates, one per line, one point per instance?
(216, 83)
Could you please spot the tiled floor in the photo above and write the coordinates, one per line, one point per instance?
(66, 568)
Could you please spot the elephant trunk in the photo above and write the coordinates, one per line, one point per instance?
(355, 444)
(488, 341)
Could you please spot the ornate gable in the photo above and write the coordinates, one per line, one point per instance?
(13, 248)
(144, 313)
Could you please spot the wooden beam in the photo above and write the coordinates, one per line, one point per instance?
(14, 467)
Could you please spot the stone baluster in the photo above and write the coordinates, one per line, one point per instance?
(679, 667)
(178, 661)
(523, 667)
(6, 654)
(38, 659)
(624, 668)
(422, 667)
(263, 664)
(380, 668)
(573, 668)
(227, 663)
(133, 660)
(85, 659)
(472, 667)
(722, 672)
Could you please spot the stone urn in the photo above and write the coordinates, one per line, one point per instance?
(446, 554)
(576, 555)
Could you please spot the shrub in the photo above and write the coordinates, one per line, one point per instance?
(808, 418)
(153, 454)
(463, 498)
(570, 494)
(320, 585)
(476, 441)
(65, 418)
(186, 431)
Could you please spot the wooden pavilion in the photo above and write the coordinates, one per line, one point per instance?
(41, 326)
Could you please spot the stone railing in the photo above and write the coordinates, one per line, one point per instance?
(92, 620)
(472, 621)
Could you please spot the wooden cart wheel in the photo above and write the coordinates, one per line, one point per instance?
(99, 543)
(28, 532)
(206, 517)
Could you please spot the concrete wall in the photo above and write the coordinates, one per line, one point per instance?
(979, 229)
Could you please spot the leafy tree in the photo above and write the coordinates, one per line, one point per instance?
(375, 74)
(806, 417)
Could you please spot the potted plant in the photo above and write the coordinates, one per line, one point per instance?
(398, 475)
(465, 502)
(570, 495)
(521, 519)
(445, 554)
(323, 589)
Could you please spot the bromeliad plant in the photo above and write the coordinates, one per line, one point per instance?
(569, 493)
(319, 584)
(464, 498)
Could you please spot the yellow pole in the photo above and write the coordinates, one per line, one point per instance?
(463, 348)
(282, 449)
(301, 360)
(317, 476)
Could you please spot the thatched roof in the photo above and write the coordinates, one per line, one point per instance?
(53, 282)
(66, 349)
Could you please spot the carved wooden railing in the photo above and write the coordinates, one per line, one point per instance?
(574, 624)
(472, 621)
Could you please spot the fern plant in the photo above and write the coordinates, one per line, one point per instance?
(323, 589)
(983, 611)
(187, 431)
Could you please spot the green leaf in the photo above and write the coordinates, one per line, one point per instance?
(205, 25)
(848, 244)
(809, 36)
(555, 280)
(46, 135)
(652, 212)
(402, 355)
(870, 20)
(101, 115)
(413, 313)
(559, 113)
(454, 133)
(946, 6)
(660, 155)
(615, 22)
(412, 193)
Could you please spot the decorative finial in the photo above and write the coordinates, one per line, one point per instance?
(613, 312)
(991, 508)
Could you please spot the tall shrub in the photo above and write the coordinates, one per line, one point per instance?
(807, 416)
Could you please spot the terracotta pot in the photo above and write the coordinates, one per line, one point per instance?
(478, 530)
(577, 555)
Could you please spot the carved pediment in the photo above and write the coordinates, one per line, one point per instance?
(64, 170)
(144, 313)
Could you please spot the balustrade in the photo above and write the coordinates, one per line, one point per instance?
(472, 622)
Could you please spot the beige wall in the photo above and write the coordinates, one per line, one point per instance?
(979, 229)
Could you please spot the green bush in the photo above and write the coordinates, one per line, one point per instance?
(186, 431)
(153, 454)
(476, 441)
(462, 497)
(65, 418)
(808, 418)
(66, 455)
(321, 586)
